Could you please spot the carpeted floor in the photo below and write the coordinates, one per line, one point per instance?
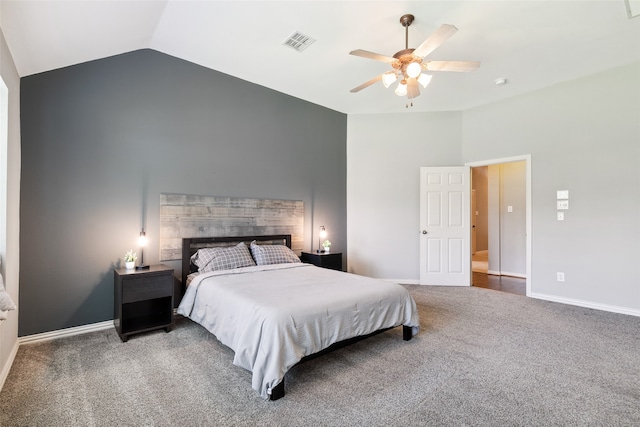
(482, 358)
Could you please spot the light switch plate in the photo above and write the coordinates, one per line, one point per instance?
(562, 204)
(562, 194)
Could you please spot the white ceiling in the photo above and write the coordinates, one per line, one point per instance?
(532, 43)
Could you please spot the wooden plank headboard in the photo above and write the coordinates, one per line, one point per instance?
(183, 215)
(190, 246)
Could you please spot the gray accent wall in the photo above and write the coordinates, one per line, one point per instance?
(101, 141)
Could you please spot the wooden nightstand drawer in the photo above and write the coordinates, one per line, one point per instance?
(144, 288)
(332, 260)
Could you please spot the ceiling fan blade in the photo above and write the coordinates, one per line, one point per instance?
(372, 55)
(413, 91)
(376, 79)
(460, 66)
(435, 40)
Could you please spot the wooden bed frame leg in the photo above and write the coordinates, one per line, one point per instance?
(278, 391)
(406, 333)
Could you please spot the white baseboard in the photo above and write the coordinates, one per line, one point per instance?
(506, 273)
(7, 366)
(587, 304)
(67, 332)
(519, 275)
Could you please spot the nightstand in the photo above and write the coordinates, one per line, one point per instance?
(143, 300)
(332, 260)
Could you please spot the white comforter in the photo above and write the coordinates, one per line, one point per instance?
(272, 316)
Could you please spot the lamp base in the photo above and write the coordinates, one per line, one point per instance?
(142, 267)
(320, 251)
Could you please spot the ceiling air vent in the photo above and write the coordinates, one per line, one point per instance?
(298, 41)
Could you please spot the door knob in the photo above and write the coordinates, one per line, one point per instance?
(424, 231)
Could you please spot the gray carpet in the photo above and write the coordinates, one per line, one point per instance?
(482, 358)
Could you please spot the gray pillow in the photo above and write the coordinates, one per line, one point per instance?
(214, 259)
(272, 254)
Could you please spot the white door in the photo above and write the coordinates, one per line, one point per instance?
(445, 226)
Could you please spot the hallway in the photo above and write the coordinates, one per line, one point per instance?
(481, 279)
(514, 285)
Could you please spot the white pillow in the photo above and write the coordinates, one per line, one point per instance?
(6, 303)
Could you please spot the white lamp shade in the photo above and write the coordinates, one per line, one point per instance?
(388, 78)
(142, 240)
(413, 70)
(401, 90)
(424, 79)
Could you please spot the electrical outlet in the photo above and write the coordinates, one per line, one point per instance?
(560, 216)
(560, 276)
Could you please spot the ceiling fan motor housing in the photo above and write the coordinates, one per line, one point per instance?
(403, 59)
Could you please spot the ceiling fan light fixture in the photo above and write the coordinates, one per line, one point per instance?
(388, 78)
(414, 69)
(408, 64)
(401, 90)
(424, 79)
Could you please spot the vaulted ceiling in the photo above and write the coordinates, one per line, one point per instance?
(533, 44)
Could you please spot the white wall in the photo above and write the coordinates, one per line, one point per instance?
(384, 156)
(493, 213)
(583, 136)
(507, 239)
(513, 225)
(9, 328)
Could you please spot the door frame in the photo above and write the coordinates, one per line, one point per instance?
(527, 159)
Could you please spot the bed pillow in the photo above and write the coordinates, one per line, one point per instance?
(6, 303)
(272, 254)
(214, 259)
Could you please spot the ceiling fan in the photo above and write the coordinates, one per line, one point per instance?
(408, 64)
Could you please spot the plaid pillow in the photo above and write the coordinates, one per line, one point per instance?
(272, 254)
(213, 259)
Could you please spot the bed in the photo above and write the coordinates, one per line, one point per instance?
(275, 311)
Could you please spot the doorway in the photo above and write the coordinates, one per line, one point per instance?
(500, 213)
